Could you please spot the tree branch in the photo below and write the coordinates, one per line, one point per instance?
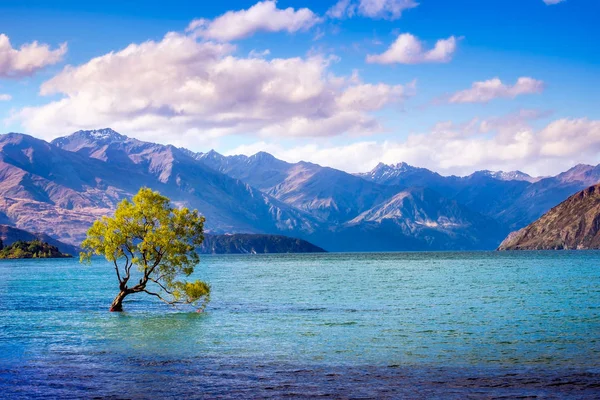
(117, 270)
(149, 271)
(127, 266)
(171, 303)
(130, 264)
(161, 286)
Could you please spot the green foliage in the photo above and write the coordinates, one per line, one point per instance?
(32, 249)
(196, 290)
(159, 240)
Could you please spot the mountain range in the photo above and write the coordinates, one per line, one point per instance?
(61, 187)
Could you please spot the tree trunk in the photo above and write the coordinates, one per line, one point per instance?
(117, 304)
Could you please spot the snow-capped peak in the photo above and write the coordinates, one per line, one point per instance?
(402, 167)
(507, 176)
(383, 171)
(103, 134)
(90, 137)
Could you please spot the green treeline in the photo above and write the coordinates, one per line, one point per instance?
(32, 249)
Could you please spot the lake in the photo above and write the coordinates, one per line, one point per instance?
(415, 325)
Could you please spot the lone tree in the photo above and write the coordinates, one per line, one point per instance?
(157, 239)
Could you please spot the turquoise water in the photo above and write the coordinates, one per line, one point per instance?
(376, 325)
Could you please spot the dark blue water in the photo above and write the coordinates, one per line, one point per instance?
(446, 325)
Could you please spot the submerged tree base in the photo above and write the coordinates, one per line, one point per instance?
(117, 304)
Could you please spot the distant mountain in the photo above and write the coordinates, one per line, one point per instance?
(404, 174)
(228, 204)
(256, 244)
(328, 194)
(539, 197)
(484, 191)
(46, 189)
(340, 202)
(94, 143)
(61, 187)
(262, 170)
(507, 176)
(573, 224)
(10, 235)
(488, 195)
(346, 204)
(430, 221)
(586, 174)
(514, 198)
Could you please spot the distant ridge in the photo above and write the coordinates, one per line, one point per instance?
(573, 224)
(243, 243)
(384, 173)
(10, 234)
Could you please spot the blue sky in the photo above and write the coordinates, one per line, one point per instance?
(314, 94)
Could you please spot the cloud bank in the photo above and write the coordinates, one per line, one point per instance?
(179, 90)
(462, 149)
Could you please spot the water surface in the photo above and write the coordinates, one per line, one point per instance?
(342, 325)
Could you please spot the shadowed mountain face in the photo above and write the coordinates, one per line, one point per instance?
(421, 219)
(514, 198)
(359, 213)
(328, 194)
(60, 188)
(573, 224)
(540, 196)
(243, 243)
(492, 203)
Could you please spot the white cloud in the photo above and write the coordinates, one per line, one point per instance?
(568, 137)
(181, 91)
(385, 9)
(5, 97)
(264, 16)
(372, 97)
(407, 49)
(483, 92)
(551, 2)
(259, 54)
(342, 9)
(391, 9)
(28, 59)
(462, 149)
